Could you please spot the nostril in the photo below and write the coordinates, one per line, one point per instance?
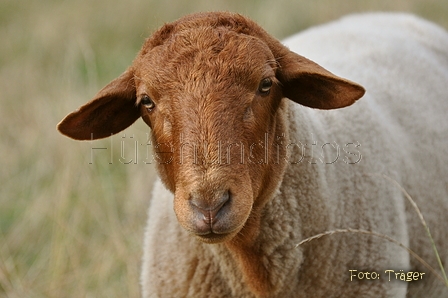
(223, 200)
(225, 197)
(209, 208)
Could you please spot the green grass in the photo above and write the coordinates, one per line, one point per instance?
(73, 229)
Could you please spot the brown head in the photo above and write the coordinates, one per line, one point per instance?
(212, 87)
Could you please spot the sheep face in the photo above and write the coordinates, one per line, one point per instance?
(211, 105)
(211, 87)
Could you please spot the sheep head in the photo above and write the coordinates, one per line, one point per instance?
(212, 88)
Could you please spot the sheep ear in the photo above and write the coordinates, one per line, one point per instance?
(309, 84)
(109, 112)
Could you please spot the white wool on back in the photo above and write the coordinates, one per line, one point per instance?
(400, 123)
(398, 130)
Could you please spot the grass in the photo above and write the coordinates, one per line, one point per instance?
(73, 229)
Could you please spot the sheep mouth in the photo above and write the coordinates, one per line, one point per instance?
(214, 237)
(215, 233)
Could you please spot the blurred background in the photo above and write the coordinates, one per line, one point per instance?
(72, 214)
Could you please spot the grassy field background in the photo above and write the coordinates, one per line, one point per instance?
(71, 216)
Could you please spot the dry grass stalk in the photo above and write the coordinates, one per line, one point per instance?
(442, 277)
(436, 252)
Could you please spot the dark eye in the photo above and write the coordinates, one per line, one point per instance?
(147, 102)
(265, 86)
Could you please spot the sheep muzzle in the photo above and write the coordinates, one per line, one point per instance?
(212, 214)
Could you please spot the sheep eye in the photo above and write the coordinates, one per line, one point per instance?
(147, 102)
(265, 86)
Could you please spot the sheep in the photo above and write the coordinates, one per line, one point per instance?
(264, 148)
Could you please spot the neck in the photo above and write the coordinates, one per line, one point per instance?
(266, 250)
(267, 261)
(268, 240)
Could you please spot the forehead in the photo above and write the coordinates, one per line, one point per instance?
(206, 55)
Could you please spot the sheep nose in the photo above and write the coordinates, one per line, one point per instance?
(208, 210)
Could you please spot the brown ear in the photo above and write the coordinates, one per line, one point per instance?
(109, 112)
(309, 84)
